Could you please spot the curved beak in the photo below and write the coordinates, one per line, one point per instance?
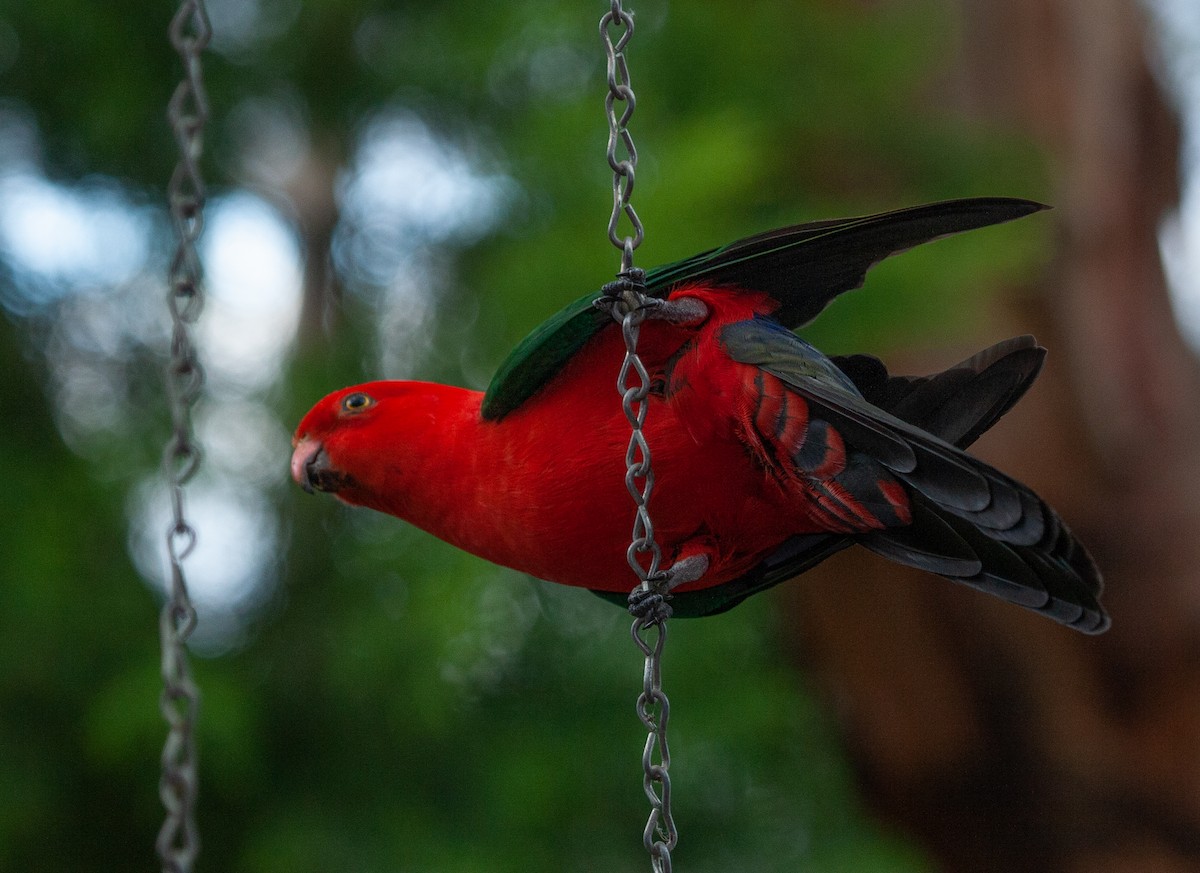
(311, 468)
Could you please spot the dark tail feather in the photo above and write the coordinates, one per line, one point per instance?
(1052, 573)
(960, 403)
(1055, 576)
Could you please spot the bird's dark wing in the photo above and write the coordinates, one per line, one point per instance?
(804, 267)
(957, 405)
(1044, 567)
(970, 522)
(807, 265)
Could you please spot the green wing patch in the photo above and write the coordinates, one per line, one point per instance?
(538, 357)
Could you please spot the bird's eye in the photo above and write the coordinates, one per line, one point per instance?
(357, 402)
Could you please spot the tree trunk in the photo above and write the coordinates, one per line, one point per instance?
(998, 739)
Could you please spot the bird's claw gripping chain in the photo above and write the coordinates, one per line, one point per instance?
(652, 601)
(652, 605)
(630, 288)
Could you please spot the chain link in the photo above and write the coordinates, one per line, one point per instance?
(633, 384)
(659, 836)
(178, 839)
(619, 138)
(629, 304)
(653, 708)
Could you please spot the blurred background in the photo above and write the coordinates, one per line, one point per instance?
(404, 190)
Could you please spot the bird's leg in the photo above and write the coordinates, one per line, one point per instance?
(689, 569)
(643, 600)
(686, 311)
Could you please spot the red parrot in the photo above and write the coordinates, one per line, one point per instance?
(768, 456)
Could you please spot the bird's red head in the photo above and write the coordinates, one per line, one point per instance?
(362, 443)
(324, 456)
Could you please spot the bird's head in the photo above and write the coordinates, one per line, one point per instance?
(365, 442)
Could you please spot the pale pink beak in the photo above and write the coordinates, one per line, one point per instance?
(303, 457)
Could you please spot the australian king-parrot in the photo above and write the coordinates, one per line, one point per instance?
(768, 455)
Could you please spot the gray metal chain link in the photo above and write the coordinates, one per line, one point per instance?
(629, 304)
(619, 138)
(178, 840)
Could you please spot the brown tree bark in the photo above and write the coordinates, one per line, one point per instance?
(998, 739)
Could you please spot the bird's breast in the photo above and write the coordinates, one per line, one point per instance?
(551, 496)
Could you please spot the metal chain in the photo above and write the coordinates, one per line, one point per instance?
(178, 839)
(619, 137)
(629, 303)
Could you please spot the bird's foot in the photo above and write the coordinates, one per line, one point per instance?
(629, 281)
(652, 601)
(650, 605)
(629, 289)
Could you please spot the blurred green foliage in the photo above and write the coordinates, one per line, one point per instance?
(399, 705)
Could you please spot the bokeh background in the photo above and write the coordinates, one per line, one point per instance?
(404, 190)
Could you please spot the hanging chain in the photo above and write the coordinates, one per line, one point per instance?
(619, 136)
(178, 840)
(628, 302)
